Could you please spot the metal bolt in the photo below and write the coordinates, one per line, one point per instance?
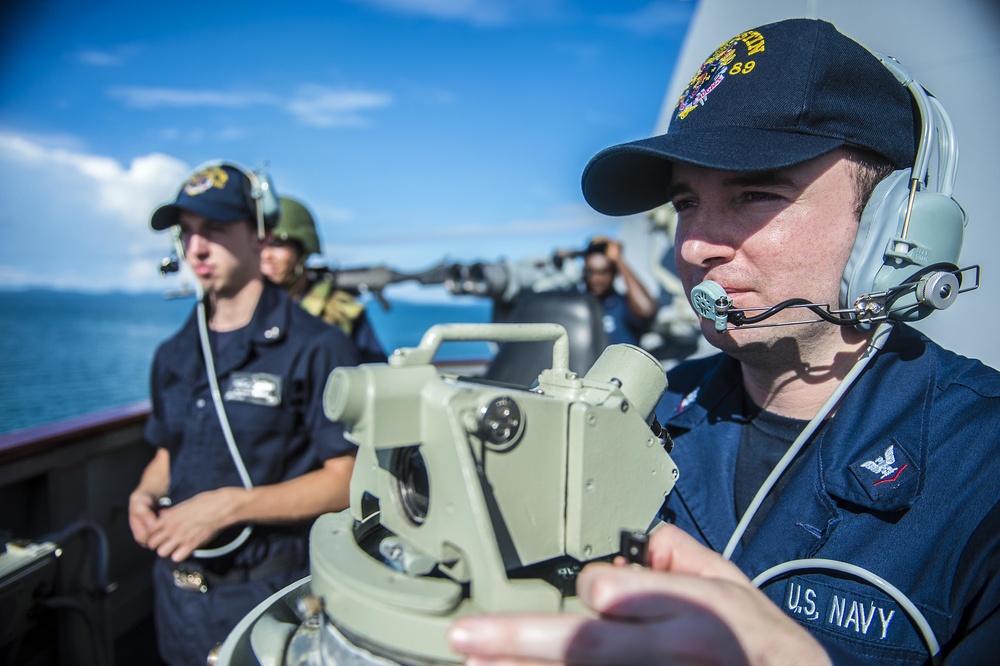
(308, 606)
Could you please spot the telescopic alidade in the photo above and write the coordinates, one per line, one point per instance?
(473, 498)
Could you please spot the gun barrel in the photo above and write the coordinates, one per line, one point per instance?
(377, 278)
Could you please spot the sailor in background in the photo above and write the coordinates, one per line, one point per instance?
(626, 316)
(245, 458)
(283, 261)
(788, 160)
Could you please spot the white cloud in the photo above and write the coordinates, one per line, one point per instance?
(73, 219)
(120, 191)
(11, 276)
(51, 139)
(130, 194)
(475, 12)
(100, 58)
(142, 97)
(79, 220)
(660, 17)
(113, 57)
(319, 106)
(312, 105)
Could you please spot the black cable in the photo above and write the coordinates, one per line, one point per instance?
(100, 629)
(739, 318)
(101, 657)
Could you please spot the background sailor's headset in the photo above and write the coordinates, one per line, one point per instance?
(911, 223)
(263, 201)
(908, 244)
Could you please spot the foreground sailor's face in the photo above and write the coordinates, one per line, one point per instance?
(767, 237)
(223, 255)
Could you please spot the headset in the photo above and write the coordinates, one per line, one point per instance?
(910, 222)
(261, 197)
(263, 201)
(904, 262)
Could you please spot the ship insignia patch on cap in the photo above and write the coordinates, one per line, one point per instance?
(205, 180)
(714, 71)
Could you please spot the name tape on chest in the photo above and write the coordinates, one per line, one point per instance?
(257, 388)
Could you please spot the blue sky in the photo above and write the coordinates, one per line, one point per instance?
(417, 130)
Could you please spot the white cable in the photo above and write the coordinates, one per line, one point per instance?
(932, 116)
(923, 626)
(220, 410)
(881, 333)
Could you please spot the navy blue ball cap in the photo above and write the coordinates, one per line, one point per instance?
(771, 97)
(219, 192)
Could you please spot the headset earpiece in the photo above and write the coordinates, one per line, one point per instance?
(264, 193)
(882, 260)
(910, 225)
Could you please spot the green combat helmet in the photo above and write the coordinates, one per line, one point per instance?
(322, 298)
(296, 224)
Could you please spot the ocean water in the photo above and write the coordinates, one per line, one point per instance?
(66, 354)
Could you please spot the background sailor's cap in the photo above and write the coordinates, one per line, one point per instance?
(220, 193)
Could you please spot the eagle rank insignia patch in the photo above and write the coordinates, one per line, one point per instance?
(884, 471)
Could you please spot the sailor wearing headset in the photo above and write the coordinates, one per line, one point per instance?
(245, 458)
(847, 466)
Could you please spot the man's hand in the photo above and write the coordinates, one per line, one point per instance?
(690, 606)
(178, 530)
(142, 503)
(184, 527)
(141, 516)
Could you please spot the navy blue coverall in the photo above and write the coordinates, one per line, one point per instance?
(923, 513)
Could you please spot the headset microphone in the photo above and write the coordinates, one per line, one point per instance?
(169, 265)
(711, 302)
(935, 287)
